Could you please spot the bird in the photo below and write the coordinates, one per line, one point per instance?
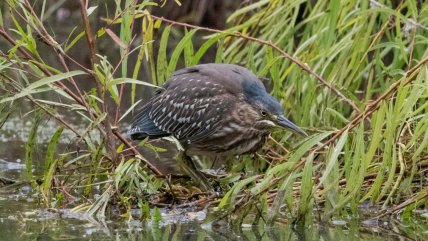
(213, 110)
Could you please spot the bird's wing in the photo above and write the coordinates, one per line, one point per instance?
(191, 110)
(142, 126)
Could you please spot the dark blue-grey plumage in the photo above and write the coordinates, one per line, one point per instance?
(255, 94)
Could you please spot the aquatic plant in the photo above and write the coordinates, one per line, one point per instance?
(352, 72)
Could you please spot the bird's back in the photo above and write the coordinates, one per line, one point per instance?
(192, 103)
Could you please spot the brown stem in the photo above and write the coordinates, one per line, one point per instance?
(57, 118)
(41, 67)
(42, 106)
(136, 153)
(100, 89)
(76, 98)
(412, 74)
(39, 28)
(399, 207)
(269, 43)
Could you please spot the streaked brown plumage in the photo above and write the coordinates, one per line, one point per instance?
(212, 110)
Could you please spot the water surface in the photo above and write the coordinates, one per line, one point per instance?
(23, 215)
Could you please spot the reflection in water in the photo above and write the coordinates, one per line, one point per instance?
(22, 218)
(25, 228)
(51, 227)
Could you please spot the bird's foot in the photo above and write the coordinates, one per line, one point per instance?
(187, 166)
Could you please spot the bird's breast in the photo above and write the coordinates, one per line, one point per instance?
(230, 140)
(236, 132)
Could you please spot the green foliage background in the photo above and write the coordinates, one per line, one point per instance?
(352, 73)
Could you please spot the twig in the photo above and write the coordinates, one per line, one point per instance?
(200, 202)
(42, 106)
(411, 21)
(136, 153)
(269, 43)
(168, 182)
(402, 205)
(74, 96)
(412, 74)
(101, 92)
(41, 67)
(49, 40)
(58, 118)
(89, 35)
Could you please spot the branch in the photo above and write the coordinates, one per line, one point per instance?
(269, 43)
(76, 98)
(376, 4)
(412, 74)
(41, 67)
(100, 89)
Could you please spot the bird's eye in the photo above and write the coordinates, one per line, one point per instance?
(263, 113)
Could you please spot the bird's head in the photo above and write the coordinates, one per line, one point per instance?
(270, 111)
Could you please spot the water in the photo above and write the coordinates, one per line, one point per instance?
(23, 215)
(21, 218)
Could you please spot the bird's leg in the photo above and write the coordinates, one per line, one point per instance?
(187, 166)
(214, 162)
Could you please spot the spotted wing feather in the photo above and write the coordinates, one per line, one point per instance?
(192, 104)
(143, 126)
(190, 110)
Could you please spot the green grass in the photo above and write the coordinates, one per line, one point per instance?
(356, 70)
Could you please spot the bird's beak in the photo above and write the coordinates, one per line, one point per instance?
(284, 122)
